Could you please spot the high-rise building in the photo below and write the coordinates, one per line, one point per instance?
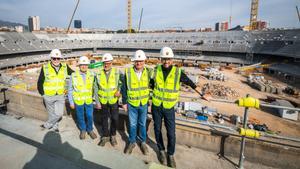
(224, 26)
(77, 24)
(34, 23)
(217, 26)
(221, 26)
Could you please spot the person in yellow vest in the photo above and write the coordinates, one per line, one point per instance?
(135, 96)
(108, 86)
(166, 81)
(80, 95)
(51, 85)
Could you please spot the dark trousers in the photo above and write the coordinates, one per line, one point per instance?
(110, 112)
(159, 113)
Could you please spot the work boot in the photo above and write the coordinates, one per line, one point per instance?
(171, 161)
(113, 140)
(92, 135)
(129, 148)
(144, 148)
(82, 135)
(162, 157)
(103, 141)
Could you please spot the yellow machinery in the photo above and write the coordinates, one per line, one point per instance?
(254, 66)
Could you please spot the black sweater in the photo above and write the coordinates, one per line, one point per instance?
(41, 79)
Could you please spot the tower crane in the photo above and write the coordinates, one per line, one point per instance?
(129, 22)
(253, 15)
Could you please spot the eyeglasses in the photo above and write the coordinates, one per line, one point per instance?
(55, 58)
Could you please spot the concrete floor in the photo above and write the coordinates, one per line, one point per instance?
(24, 144)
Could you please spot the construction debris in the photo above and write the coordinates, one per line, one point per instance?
(219, 91)
(214, 74)
(291, 91)
(260, 83)
(195, 110)
(287, 114)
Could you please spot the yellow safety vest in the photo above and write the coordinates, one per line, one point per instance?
(54, 82)
(166, 92)
(108, 86)
(83, 91)
(137, 90)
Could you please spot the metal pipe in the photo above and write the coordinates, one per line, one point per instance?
(261, 104)
(206, 124)
(279, 107)
(242, 156)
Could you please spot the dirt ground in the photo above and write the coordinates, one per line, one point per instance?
(238, 83)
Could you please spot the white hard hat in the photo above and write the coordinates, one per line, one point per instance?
(55, 53)
(166, 52)
(83, 60)
(139, 55)
(107, 57)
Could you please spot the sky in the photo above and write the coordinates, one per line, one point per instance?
(158, 14)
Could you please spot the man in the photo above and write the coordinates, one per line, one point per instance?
(108, 86)
(80, 95)
(166, 86)
(135, 96)
(51, 85)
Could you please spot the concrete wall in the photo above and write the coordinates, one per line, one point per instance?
(26, 104)
(258, 151)
(262, 151)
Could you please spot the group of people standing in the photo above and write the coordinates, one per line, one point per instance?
(106, 87)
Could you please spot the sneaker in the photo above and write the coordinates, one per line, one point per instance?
(92, 135)
(144, 148)
(171, 161)
(82, 135)
(113, 140)
(103, 141)
(162, 157)
(129, 148)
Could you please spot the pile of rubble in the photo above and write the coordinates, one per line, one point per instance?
(219, 91)
(214, 74)
(291, 91)
(260, 83)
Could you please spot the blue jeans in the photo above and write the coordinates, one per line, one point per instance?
(81, 112)
(137, 119)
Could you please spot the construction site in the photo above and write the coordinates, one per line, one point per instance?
(220, 133)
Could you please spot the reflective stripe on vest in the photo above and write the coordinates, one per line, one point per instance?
(166, 92)
(54, 82)
(108, 86)
(137, 90)
(83, 91)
